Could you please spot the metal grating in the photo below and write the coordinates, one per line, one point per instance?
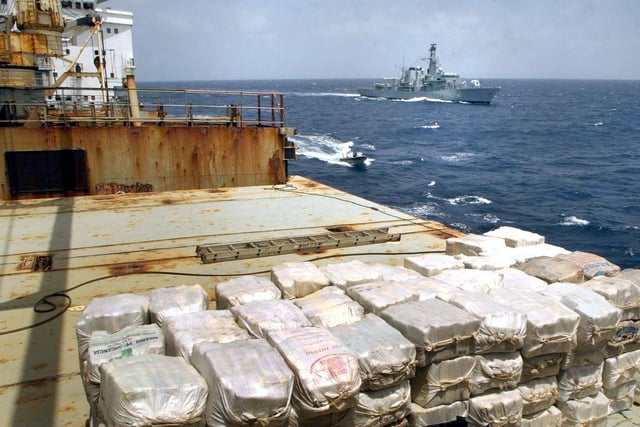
(229, 252)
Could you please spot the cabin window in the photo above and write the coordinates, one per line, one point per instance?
(47, 171)
(67, 4)
(87, 5)
(77, 5)
(108, 30)
(115, 31)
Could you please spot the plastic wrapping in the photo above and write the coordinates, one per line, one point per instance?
(502, 329)
(385, 356)
(183, 331)
(395, 273)
(249, 383)
(621, 369)
(347, 274)
(592, 265)
(598, 318)
(550, 417)
(428, 288)
(621, 293)
(519, 280)
(326, 372)
(621, 398)
(541, 366)
(151, 389)
(514, 237)
(380, 408)
(471, 280)
(263, 317)
(551, 326)
(538, 395)
(439, 330)
(432, 264)
(496, 371)
(496, 409)
(245, 289)
(589, 411)
(130, 341)
(424, 417)
(552, 269)
(579, 382)
(329, 307)
(473, 244)
(442, 383)
(625, 339)
(165, 302)
(298, 279)
(488, 262)
(376, 296)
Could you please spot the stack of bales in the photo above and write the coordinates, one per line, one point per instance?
(502, 330)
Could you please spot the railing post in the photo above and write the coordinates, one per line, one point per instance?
(259, 109)
(273, 111)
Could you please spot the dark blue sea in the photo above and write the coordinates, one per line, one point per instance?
(556, 157)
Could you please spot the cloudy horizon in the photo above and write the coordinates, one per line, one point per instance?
(301, 39)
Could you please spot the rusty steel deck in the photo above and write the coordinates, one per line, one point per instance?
(101, 245)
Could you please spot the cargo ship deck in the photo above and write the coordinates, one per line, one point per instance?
(84, 247)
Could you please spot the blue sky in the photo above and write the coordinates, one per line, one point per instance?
(273, 39)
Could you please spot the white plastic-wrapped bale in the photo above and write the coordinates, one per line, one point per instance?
(541, 366)
(552, 269)
(442, 383)
(622, 293)
(329, 307)
(326, 372)
(538, 395)
(333, 419)
(110, 314)
(298, 279)
(439, 330)
(152, 389)
(385, 356)
(245, 289)
(103, 347)
(249, 383)
(523, 254)
(598, 318)
(621, 397)
(592, 265)
(551, 326)
(131, 341)
(630, 274)
(395, 273)
(496, 409)
(489, 261)
(428, 288)
(473, 244)
(583, 358)
(380, 408)
(501, 371)
(579, 381)
(347, 274)
(166, 302)
(432, 264)
(514, 237)
(471, 280)
(512, 278)
(502, 329)
(621, 369)
(589, 411)
(424, 417)
(376, 296)
(183, 331)
(263, 317)
(550, 417)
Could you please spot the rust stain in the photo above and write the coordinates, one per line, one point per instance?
(168, 202)
(122, 269)
(113, 188)
(39, 366)
(340, 228)
(33, 397)
(18, 295)
(3, 361)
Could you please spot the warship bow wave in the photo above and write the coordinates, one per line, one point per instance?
(414, 82)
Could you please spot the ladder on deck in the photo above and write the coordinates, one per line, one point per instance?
(210, 253)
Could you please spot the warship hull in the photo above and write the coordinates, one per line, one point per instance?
(470, 95)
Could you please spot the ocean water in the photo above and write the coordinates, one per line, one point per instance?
(557, 157)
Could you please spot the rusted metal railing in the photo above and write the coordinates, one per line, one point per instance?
(99, 107)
